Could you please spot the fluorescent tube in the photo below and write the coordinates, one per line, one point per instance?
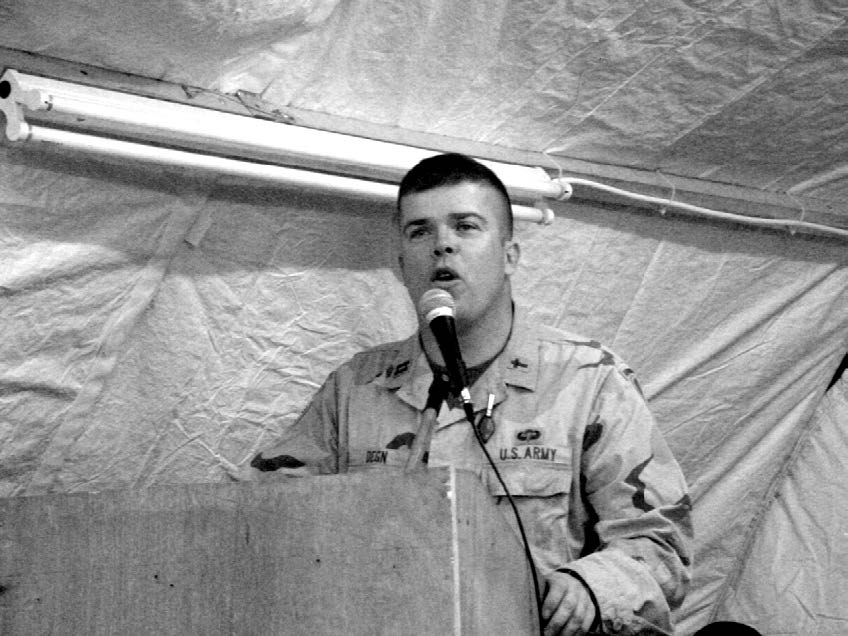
(291, 177)
(106, 112)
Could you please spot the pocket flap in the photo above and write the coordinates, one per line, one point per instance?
(528, 479)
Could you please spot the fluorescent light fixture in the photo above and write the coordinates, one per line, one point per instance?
(124, 125)
(127, 126)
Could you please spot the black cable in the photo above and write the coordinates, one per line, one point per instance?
(469, 415)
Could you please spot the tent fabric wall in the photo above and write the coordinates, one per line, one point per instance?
(794, 580)
(715, 320)
(735, 91)
(161, 328)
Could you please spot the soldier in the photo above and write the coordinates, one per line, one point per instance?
(604, 502)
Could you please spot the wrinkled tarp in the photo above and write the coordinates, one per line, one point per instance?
(735, 91)
(159, 329)
(795, 578)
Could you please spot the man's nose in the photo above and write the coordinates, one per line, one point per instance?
(445, 243)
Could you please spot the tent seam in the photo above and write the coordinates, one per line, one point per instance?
(772, 494)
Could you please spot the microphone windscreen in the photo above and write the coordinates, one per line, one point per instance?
(435, 302)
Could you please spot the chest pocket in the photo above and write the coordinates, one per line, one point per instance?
(526, 478)
(532, 459)
(542, 496)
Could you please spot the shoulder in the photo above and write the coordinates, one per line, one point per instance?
(561, 346)
(385, 359)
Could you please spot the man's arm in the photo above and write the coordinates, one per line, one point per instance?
(642, 565)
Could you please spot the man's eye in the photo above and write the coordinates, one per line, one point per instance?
(416, 232)
(466, 226)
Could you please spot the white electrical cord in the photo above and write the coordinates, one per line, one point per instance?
(540, 213)
(210, 139)
(663, 204)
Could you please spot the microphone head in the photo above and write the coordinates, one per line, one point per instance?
(434, 303)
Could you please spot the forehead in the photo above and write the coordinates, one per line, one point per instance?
(450, 200)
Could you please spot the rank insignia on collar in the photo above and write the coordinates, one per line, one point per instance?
(394, 371)
(518, 363)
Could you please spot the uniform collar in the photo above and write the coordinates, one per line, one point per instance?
(517, 365)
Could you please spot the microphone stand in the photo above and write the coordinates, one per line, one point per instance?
(417, 460)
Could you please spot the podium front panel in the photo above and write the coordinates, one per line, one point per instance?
(373, 553)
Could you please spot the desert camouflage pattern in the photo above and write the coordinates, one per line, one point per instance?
(597, 488)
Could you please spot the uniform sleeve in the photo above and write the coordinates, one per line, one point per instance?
(310, 445)
(641, 567)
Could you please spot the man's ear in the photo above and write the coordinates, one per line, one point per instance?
(512, 254)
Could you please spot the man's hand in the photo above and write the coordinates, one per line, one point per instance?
(567, 609)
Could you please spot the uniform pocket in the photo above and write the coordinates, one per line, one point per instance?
(528, 479)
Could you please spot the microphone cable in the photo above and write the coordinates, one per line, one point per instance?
(469, 415)
(436, 307)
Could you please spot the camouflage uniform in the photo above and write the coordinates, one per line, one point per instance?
(597, 488)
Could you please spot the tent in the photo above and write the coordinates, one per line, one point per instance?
(161, 325)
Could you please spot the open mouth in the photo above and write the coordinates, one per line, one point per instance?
(443, 275)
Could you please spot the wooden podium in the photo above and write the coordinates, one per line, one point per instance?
(369, 553)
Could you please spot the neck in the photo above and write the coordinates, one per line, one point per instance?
(479, 341)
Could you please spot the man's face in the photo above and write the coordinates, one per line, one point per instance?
(451, 238)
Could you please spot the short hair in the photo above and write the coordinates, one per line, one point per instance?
(452, 169)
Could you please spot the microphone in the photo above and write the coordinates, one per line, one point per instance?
(437, 308)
